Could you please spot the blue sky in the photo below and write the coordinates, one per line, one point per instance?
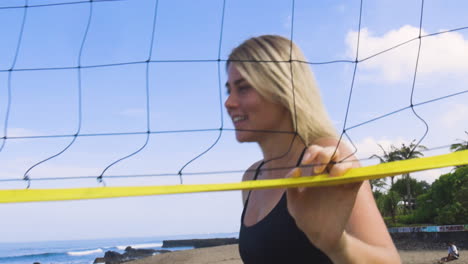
(186, 96)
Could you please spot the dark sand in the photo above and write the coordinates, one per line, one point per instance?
(229, 255)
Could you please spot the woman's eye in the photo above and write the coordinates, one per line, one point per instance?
(243, 89)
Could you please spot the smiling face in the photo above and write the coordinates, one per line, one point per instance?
(251, 111)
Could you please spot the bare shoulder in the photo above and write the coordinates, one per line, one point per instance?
(248, 176)
(250, 172)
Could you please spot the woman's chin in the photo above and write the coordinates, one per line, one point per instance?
(244, 136)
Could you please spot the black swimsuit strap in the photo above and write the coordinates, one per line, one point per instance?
(257, 171)
(300, 157)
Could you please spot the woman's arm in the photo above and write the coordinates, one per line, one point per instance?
(343, 221)
(366, 239)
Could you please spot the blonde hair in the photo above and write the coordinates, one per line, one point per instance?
(265, 63)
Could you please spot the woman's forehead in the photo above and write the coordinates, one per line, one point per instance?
(234, 76)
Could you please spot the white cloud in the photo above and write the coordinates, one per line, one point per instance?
(16, 167)
(430, 175)
(442, 54)
(370, 146)
(20, 132)
(455, 117)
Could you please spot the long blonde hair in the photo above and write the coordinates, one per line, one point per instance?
(268, 62)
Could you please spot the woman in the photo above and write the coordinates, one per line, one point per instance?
(287, 119)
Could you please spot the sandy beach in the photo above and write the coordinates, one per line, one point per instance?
(229, 255)
(222, 254)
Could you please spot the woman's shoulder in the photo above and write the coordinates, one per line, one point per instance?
(250, 172)
(248, 176)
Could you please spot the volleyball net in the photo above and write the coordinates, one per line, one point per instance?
(103, 99)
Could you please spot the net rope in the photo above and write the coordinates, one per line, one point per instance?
(459, 159)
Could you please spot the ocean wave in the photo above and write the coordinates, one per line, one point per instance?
(137, 246)
(29, 256)
(84, 252)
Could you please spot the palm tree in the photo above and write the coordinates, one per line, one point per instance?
(410, 152)
(460, 146)
(405, 152)
(377, 184)
(392, 155)
(388, 204)
(463, 145)
(389, 201)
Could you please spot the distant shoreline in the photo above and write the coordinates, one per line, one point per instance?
(199, 243)
(413, 248)
(229, 254)
(429, 240)
(135, 254)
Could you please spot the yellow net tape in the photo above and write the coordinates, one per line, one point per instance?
(353, 175)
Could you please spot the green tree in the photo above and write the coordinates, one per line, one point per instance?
(387, 156)
(417, 187)
(377, 184)
(410, 152)
(450, 192)
(462, 145)
(377, 194)
(425, 210)
(388, 204)
(447, 200)
(404, 152)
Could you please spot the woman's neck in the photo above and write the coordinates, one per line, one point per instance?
(282, 151)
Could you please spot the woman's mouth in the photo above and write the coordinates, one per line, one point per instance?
(237, 119)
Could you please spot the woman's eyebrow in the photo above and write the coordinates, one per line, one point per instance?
(236, 82)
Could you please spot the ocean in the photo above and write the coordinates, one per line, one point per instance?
(83, 251)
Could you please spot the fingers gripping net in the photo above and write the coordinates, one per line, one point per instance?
(137, 104)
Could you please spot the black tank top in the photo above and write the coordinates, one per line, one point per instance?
(276, 238)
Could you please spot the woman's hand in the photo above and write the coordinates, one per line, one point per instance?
(322, 213)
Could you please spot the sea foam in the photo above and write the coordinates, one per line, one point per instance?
(137, 246)
(85, 252)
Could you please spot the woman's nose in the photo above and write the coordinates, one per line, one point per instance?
(231, 102)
